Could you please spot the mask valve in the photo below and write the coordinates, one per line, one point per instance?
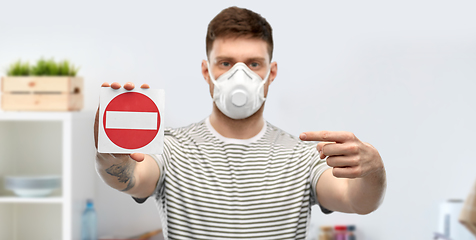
(239, 98)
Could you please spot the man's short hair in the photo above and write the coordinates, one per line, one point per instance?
(234, 22)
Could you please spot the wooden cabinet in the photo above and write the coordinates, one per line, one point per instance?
(46, 143)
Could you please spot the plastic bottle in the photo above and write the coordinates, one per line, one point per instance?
(350, 232)
(340, 232)
(325, 233)
(89, 222)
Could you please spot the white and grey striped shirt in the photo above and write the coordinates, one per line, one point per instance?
(212, 187)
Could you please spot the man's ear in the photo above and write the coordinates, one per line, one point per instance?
(206, 76)
(205, 73)
(273, 72)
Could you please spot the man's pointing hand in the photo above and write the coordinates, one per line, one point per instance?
(349, 157)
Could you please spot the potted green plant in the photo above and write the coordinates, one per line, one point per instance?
(46, 86)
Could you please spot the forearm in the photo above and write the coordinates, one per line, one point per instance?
(116, 170)
(120, 171)
(367, 193)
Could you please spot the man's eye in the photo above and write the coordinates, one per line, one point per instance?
(254, 64)
(225, 64)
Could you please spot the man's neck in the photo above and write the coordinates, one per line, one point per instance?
(238, 129)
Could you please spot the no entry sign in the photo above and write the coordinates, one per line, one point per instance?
(131, 121)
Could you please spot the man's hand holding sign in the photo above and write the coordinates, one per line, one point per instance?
(122, 171)
(130, 120)
(356, 176)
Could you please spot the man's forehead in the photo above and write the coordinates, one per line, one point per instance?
(225, 57)
(242, 48)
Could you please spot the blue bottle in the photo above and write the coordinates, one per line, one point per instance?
(350, 232)
(89, 222)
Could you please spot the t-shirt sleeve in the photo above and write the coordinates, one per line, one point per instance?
(161, 160)
(318, 166)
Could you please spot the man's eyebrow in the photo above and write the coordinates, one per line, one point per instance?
(224, 58)
(256, 59)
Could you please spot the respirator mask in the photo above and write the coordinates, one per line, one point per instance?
(239, 92)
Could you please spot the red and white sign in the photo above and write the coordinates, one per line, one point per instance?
(131, 121)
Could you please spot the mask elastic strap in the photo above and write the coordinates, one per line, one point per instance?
(211, 75)
(263, 83)
(215, 85)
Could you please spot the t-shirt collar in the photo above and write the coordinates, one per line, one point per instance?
(234, 140)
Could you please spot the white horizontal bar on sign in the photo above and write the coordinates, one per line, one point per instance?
(131, 120)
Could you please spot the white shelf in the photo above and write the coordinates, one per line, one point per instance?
(13, 199)
(46, 143)
(35, 116)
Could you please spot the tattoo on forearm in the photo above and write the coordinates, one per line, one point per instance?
(124, 172)
(130, 184)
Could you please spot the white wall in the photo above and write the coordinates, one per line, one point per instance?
(400, 75)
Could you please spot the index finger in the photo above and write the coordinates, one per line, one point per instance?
(129, 86)
(327, 136)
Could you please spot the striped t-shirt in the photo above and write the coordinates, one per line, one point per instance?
(212, 187)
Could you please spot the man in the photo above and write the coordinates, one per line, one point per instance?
(234, 175)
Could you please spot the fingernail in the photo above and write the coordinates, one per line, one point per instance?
(303, 136)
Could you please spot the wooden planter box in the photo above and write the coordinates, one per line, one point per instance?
(42, 93)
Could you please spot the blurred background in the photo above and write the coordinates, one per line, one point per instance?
(401, 75)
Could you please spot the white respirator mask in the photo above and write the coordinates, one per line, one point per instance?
(239, 92)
